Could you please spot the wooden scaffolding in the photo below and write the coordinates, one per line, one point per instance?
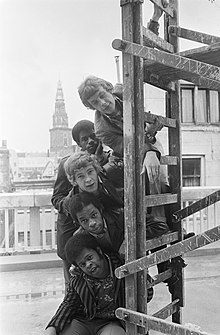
(147, 58)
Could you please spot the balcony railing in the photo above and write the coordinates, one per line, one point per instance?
(28, 220)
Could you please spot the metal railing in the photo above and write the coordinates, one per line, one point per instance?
(28, 219)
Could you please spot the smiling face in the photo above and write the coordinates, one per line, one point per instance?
(93, 263)
(90, 219)
(103, 101)
(87, 179)
(88, 141)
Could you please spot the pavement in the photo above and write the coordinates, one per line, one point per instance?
(32, 287)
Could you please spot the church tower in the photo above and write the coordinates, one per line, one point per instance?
(60, 134)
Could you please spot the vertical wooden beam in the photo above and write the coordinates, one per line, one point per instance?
(34, 227)
(175, 149)
(133, 107)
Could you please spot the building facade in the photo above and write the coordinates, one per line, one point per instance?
(200, 130)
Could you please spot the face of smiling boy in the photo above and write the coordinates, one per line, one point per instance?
(90, 219)
(92, 263)
(103, 101)
(88, 141)
(87, 179)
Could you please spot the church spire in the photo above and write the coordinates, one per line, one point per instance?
(59, 95)
(60, 117)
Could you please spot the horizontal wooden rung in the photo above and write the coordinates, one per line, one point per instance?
(167, 122)
(193, 35)
(196, 206)
(167, 253)
(149, 322)
(157, 80)
(172, 61)
(160, 199)
(168, 160)
(168, 310)
(152, 40)
(162, 240)
(159, 278)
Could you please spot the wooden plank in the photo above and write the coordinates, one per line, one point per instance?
(193, 35)
(196, 206)
(133, 111)
(168, 9)
(168, 160)
(162, 240)
(171, 60)
(173, 110)
(208, 54)
(159, 278)
(172, 74)
(172, 251)
(160, 199)
(167, 122)
(130, 209)
(156, 80)
(152, 323)
(154, 41)
(168, 310)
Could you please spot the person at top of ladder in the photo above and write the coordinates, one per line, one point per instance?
(99, 94)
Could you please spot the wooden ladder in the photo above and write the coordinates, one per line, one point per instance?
(156, 61)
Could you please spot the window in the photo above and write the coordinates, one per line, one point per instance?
(214, 106)
(202, 115)
(191, 171)
(200, 106)
(187, 105)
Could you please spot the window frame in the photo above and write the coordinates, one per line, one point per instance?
(202, 167)
(195, 105)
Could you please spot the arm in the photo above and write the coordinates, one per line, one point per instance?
(68, 309)
(101, 155)
(62, 188)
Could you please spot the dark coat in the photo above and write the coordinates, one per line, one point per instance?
(65, 224)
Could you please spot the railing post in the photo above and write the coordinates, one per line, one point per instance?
(35, 226)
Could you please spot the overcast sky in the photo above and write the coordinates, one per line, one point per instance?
(42, 41)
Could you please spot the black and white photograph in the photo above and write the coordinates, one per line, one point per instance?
(109, 167)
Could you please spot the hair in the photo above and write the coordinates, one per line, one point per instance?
(78, 201)
(79, 126)
(77, 161)
(90, 86)
(77, 243)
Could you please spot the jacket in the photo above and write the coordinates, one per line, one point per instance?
(80, 302)
(65, 224)
(62, 190)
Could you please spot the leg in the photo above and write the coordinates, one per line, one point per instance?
(79, 328)
(153, 24)
(112, 328)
